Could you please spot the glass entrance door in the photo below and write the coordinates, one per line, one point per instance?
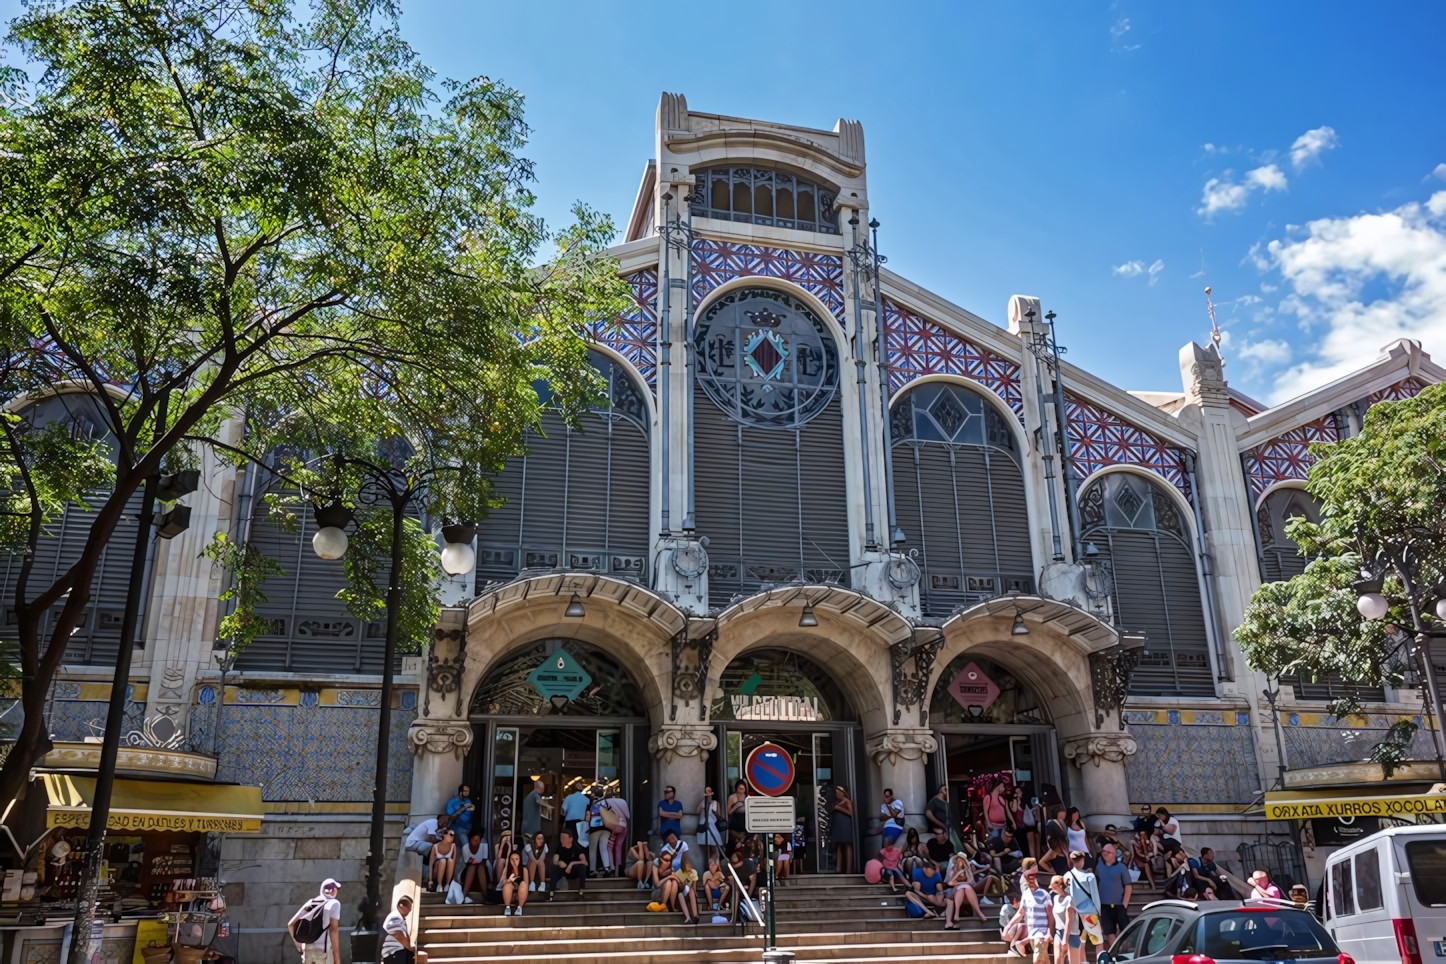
(564, 759)
(820, 763)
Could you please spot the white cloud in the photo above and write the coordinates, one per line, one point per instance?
(1118, 34)
(1222, 194)
(1400, 256)
(1440, 172)
(1269, 177)
(1225, 194)
(1267, 351)
(1133, 269)
(1311, 145)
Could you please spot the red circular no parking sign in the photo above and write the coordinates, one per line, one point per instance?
(769, 769)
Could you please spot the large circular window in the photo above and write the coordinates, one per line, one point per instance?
(765, 358)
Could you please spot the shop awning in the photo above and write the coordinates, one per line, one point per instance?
(1353, 802)
(155, 805)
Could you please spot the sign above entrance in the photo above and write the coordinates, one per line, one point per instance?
(559, 676)
(769, 770)
(768, 815)
(973, 688)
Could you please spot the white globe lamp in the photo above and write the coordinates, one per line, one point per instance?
(329, 542)
(1441, 608)
(458, 558)
(1372, 605)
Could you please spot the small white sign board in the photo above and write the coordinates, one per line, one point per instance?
(768, 814)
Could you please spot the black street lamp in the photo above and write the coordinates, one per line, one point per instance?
(386, 485)
(1372, 603)
(169, 524)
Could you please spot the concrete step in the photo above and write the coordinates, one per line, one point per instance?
(871, 947)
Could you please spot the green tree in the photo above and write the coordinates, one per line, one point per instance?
(279, 221)
(1381, 495)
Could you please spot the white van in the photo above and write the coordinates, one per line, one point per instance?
(1385, 896)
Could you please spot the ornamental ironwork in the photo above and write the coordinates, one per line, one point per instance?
(766, 358)
(757, 196)
(911, 688)
(690, 665)
(444, 674)
(1110, 672)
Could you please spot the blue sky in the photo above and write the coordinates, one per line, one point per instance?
(1111, 158)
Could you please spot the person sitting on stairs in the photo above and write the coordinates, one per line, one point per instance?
(570, 861)
(716, 885)
(640, 864)
(513, 881)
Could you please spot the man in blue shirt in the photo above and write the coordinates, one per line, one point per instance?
(460, 808)
(1114, 883)
(929, 886)
(574, 813)
(670, 814)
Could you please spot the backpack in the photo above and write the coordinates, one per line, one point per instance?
(310, 923)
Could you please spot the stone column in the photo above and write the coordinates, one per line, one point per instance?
(682, 750)
(1100, 757)
(440, 746)
(900, 754)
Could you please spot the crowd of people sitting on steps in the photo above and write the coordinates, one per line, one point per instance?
(1051, 879)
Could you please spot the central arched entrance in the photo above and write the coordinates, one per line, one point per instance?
(990, 723)
(567, 713)
(781, 696)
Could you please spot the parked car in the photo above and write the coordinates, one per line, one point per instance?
(1221, 931)
(1385, 896)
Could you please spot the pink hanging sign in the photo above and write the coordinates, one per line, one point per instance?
(973, 688)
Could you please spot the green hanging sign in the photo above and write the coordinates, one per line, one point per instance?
(560, 676)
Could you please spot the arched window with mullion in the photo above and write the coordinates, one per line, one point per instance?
(959, 496)
(1142, 538)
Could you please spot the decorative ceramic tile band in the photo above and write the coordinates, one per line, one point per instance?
(919, 347)
(634, 335)
(1187, 717)
(1287, 458)
(717, 262)
(1099, 439)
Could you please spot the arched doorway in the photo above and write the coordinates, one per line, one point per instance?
(779, 696)
(564, 712)
(989, 723)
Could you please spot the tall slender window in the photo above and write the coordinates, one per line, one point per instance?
(959, 491)
(768, 445)
(578, 498)
(1156, 590)
(97, 639)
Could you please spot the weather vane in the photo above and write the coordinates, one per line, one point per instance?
(1214, 328)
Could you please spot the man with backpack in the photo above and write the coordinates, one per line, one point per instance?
(316, 927)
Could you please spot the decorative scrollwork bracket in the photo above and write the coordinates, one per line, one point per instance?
(909, 688)
(690, 666)
(1110, 672)
(446, 661)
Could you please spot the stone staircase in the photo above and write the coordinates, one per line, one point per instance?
(821, 917)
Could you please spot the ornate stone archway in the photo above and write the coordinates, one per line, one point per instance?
(1057, 656)
(634, 625)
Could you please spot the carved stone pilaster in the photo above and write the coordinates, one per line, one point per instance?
(902, 743)
(681, 739)
(447, 658)
(1099, 748)
(440, 736)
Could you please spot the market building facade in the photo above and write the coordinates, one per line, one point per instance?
(823, 508)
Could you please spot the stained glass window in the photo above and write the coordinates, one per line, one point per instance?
(505, 690)
(766, 358)
(779, 685)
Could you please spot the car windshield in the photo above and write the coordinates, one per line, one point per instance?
(1253, 935)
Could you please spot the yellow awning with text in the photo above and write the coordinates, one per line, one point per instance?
(155, 805)
(1351, 803)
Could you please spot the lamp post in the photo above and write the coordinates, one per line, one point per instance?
(386, 485)
(1372, 603)
(169, 524)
